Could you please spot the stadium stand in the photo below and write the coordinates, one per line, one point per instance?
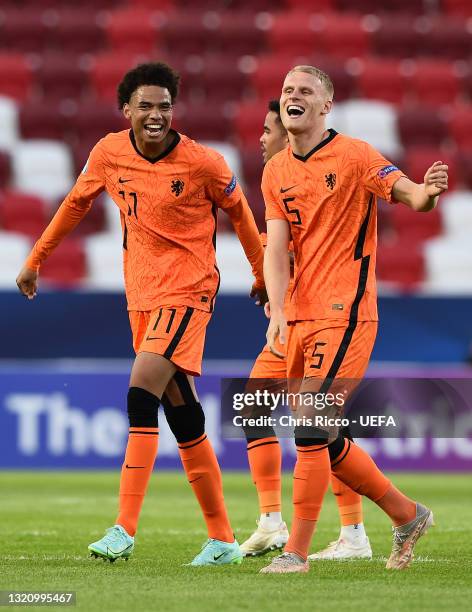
(403, 81)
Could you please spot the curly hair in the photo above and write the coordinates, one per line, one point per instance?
(156, 73)
(274, 107)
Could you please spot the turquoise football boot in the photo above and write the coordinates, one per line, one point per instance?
(115, 544)
(216, 552)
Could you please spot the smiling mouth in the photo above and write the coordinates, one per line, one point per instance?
(153, 129)
(295, 110)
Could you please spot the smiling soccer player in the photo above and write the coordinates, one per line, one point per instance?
(321, 192)
(168, 189)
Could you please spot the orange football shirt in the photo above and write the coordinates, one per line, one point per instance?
(168, 209)
(329, 199)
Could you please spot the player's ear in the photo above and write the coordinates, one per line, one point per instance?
(327, 106)
(126, 111)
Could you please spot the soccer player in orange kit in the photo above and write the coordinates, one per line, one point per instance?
(168, 189)
(321, 192)
(264, 454)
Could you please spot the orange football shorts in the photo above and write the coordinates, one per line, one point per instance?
(175, 332)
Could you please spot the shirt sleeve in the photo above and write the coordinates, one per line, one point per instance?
(223, 187)
(75, 206)
(272, 205)
(379, 174)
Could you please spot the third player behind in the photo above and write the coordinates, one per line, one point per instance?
(264, 453)
(321, 192)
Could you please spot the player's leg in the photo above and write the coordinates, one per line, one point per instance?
(186, 420)
(149, 377)
(355, 468)
(352, 542)
(265, 463)
(311, 474)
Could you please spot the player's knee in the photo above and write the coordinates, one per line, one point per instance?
(309, 436)
(336, 448)
(187, 422)
(142, 408)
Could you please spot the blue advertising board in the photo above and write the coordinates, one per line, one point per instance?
(75, 418)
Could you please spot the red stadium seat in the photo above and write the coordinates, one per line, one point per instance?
(162, 5)
(42, 121)
(22, 213)
(407, 224)
(239, 34)
(78, 30)
(434, 83)
(465, 169)
(61, 76)
(24, 31)
(418, 159)
(462, 8)
(421, 126)
(67, 268)
(416, 7)
(269, 74)
(396, 36)
(447, 39)
(93, 121)
(400, 263)
(342, 36)
(460, 126)
(332, 34)
(382, 80)
(186, 32)
(291, 35)
(15, 76)
(221, 79)
(200, 122)
(249, 121)
(133, 31)
(307, 5)
(5, 170)
(106, 72)
(252, 163)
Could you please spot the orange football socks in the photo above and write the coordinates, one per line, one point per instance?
(265, 462)
(310, 483)
(349, 502)
(203, 473)
(137, 467)
(357, 469)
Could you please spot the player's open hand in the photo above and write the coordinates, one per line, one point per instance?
(260, 293)
(277, 329)
(27, 282)
(435, 179)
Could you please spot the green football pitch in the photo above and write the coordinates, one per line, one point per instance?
(47, 520)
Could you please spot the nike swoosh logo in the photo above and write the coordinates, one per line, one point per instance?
(216, 557)
(287, 189)
(122, 180)
(135, 467)
(155, 338)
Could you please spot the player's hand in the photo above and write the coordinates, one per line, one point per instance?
(267, 309)
(435, 179)
(277, 329)
(27, 281)
(260, 293)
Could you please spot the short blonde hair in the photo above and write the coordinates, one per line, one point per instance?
(319, 74)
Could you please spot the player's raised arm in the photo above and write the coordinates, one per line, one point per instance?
(424, 197)
(72, 210)
(277, 278)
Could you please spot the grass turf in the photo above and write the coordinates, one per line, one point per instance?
(48, 519)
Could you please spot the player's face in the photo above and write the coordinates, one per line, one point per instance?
(274, 137)
(150, 113)
(304, 102)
